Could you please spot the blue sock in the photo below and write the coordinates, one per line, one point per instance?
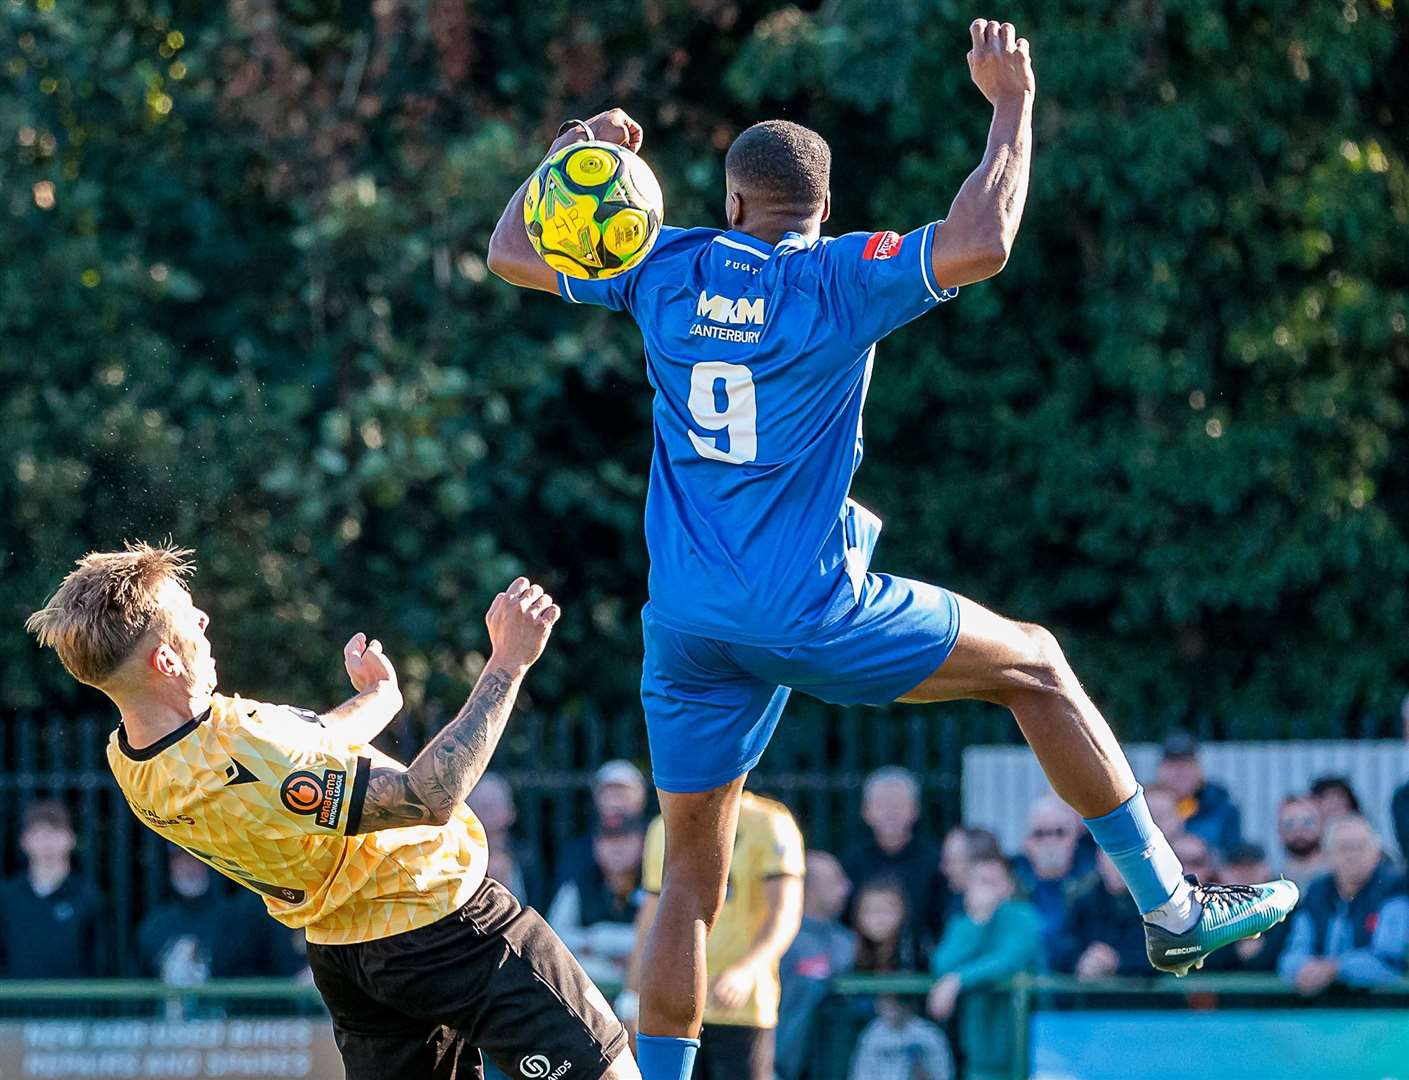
(663, 1057)
(1128, 834)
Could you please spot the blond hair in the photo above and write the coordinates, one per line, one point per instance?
(106, 605)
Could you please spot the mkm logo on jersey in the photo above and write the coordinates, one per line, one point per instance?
(723, 309)
(305, 792)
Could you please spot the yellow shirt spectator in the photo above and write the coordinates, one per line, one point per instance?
(767, 845)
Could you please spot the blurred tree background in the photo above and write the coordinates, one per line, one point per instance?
(243, 302)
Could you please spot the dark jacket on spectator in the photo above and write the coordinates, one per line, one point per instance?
(1217, 821)
(1369, 936)
(916, 866)
(234, 934)
(820, 952)
(1399, 811)
(1050, 896)
(1097, 915)
(64, 935)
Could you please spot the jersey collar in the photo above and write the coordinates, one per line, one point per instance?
(742, 241)
(171, 738)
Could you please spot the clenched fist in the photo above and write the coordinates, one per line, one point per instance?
(999, 61)
(520, 621)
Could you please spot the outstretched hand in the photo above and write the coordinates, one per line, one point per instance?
(520, 621)
(366, 664)
(999, 61)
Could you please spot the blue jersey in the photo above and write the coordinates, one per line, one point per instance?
(760, 359)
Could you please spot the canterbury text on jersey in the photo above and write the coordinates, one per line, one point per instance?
(270, 797)
(760, 359)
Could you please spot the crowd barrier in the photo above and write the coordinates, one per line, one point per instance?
(1065, 1029)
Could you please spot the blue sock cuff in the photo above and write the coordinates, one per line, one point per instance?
(1128, 828)
(664, 1057)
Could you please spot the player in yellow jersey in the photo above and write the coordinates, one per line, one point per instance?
(422, 960)
(761, 915)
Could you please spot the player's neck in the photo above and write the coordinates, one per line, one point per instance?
(772, 228)
(150, 716)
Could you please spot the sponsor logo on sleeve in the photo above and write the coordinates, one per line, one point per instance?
(305, 792)
(882, 245)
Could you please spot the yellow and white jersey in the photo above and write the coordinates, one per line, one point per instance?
(271, 798)
(768, 845)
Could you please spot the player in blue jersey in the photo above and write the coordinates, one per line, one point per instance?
(760, 341)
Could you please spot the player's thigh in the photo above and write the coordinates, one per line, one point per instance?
(537, 1013)
(376, 1041)
(992, 658)
(699, 846)
(899, 632)
(708, 720)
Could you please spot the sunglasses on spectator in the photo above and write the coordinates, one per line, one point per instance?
(1049, 834)
(1299, 821)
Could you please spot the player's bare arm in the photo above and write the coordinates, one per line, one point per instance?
(362, 718)
(428, 790)
(974, 240)
(511, 255)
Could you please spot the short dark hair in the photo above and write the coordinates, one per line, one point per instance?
(1323, 784)
(781, 163)
(50, 812)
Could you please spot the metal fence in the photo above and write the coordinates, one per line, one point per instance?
(816, 765)
(115, 1023)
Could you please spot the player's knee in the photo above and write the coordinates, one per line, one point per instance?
(695, 893)
(1047, 667)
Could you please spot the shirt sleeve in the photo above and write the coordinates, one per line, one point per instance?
(304, 779)
(618, 292)
(653, 857)
(877, 282)
(780, 848)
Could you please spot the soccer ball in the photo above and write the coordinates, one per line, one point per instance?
(593, 210)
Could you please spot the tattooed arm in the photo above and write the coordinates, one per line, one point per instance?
(428, 790)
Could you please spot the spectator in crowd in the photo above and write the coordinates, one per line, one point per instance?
(1334, 796)
(52, 921)
(882, 918)
(995, 938)
(898, 1045)
(760, 918)
(1352, 926)
(512, 864)
(1299, 827)
(1198, 858)
(893, 848)
(962, 844)
(1207, 808)
(1164, 809)
(594, 912)
(201, 934)
(618, 795)
(1399, 803)
(822, 949)
(1046, 870)
(1103, 934)
(1247, 864)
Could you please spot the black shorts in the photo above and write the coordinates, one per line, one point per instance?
(492, 977)
(735, 1052)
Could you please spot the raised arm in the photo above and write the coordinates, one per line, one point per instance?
(511, 255)
(362, 718)
(428, 790)
(974, 241)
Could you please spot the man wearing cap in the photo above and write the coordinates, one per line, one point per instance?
(618, 796)
(594, 911)
(1207, 808)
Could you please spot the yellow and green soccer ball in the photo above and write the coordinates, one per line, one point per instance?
(593, 210)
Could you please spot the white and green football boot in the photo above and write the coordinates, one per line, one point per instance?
(1226, 913)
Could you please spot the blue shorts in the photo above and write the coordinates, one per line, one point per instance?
(711, 706)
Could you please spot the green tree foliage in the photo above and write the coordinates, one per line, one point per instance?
(244, 303)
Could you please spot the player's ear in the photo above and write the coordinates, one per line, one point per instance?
(826, 207)
(165, 662)
(734, 209)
